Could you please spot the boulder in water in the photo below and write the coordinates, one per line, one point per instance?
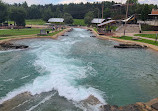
(131, 107)
(93, 36)
(130, 46)
(92, 100)
(7, 45)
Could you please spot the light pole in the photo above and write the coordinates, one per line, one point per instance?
(102, 10)
(126, 17)
(98, 17)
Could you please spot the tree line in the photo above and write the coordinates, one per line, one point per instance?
(19, 12)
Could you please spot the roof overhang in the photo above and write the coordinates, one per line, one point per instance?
(97, 21)
(153, 14)
(56, 20)
(107, 22)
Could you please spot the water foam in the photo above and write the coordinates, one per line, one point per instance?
(62, 73)
(58, 73)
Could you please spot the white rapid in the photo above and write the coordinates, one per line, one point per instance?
(58, 71)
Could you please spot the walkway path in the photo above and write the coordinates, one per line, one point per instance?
(130, 28)
(132, 35)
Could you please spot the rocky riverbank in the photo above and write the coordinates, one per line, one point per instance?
(8, 45)
(23, 97)
(139, 106)
(130, 46)
(131, 107)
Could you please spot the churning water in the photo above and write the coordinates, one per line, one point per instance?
(61, 74)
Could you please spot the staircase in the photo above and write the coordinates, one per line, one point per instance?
(130, 28)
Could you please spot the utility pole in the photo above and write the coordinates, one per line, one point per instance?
(98, 17)
(126, 17)
(127, 9)
(102, 10)
(98, 13)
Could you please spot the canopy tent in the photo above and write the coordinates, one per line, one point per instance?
(97, 21)
(129, 19)
(106, 23)
(56, 20)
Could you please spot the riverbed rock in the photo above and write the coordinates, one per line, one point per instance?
(129, 46)
(7, 45)
(131, 107)
(64, 35)
(92, 100)
(155, 106)
(93, 36)
(9, 105)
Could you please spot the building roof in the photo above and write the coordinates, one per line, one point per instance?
(97, 21)
(154, 12)
(130, 18)
(56, 20)
(107, 22)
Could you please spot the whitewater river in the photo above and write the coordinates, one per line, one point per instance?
(61, 74)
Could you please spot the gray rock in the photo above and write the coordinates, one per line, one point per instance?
(155, 106)
(7, 45)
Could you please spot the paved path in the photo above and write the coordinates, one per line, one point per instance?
(132, 35)
(144, 38)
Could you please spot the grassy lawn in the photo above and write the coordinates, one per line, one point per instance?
(54, 33)
(25, 32)
(79, 22)
(143, 40)
(147, 35)
(32, 22)
(16, 32)
(114, 28)
(35, 22)
(51, 34)
(3, 38)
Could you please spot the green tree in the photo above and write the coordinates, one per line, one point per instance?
(107, 13)
(3, 12)
(88, 17)
(24, 5)
(33, 12)
(132, 1)
(146, 10)
(18, 16)
(68, 18)
(58, 13)
(47, 14)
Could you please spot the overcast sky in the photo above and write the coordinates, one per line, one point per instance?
(30, 2)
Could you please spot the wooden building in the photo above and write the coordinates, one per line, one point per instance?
(154, 14)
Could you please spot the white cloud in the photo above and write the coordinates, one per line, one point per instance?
(84, 1)
(30, 2)
(118, 1)
(71, 1)
(149, 1)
